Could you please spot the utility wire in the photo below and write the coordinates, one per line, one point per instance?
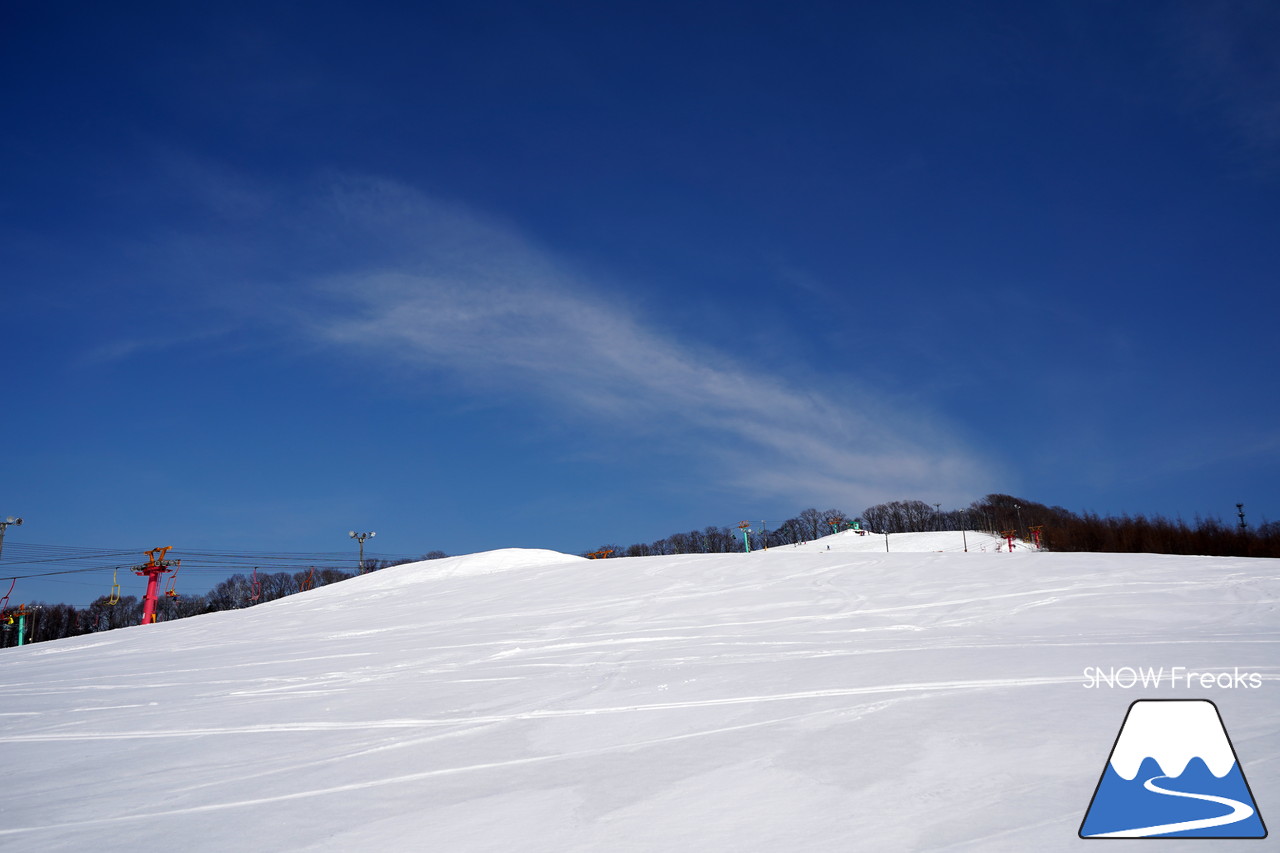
(193, 562)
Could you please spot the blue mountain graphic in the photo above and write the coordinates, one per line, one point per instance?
(1121, 804)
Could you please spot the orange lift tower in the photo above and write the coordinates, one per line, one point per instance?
(153, 569)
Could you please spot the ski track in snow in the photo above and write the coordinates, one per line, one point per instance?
(406, 778)
(928, 687)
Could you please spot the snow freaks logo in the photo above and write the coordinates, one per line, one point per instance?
(1172, 773)
(1126, 677)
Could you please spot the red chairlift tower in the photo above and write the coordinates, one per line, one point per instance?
(156, 566)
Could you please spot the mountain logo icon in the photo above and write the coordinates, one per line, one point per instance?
(1172, 773)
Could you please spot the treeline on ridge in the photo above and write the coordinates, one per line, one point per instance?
(805, 527)
(1060, 530)
(1064, 530)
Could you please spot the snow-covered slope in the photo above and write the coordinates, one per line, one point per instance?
(791, 700)
(949, 541)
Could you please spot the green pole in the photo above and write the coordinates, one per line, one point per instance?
(746, 543)
(22, 627)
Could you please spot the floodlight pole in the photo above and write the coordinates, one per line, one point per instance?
(1239, 512)
(360, 537)
(4, 525)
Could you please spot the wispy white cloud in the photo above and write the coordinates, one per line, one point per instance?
(145, 342)
(442, 288)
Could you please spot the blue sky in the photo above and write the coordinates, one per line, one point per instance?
(553, 275)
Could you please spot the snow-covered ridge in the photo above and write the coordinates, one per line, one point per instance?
(489, 562)
(466, 565)
(1172, 733)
